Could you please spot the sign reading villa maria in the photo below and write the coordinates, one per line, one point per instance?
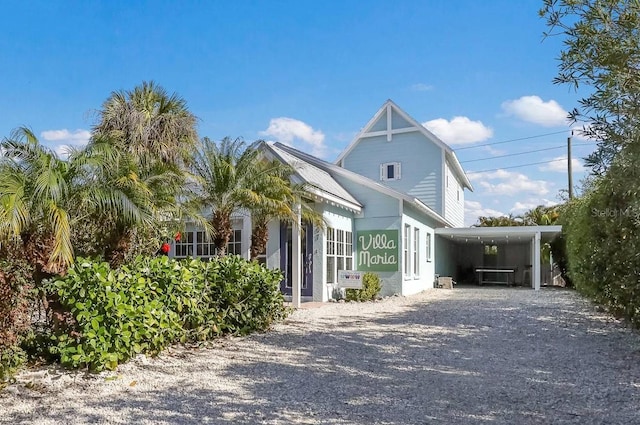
(377, 250)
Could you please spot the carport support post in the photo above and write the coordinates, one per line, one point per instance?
(296, 269)
(536, 261)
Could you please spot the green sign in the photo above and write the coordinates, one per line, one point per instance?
(378, 250)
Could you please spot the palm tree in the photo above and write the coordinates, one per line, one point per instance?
(34, 191)
(279, 196)
(155, 135)
(224, 178)
(501, 221)
(149, 123)
(541, 216)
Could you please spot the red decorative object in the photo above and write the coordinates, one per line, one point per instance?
(177, 237)
(165, 248)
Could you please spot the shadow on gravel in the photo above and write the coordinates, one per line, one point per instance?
(452, 361)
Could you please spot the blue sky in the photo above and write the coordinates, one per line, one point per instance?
(310, 74)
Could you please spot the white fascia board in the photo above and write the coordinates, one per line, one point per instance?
(334, 199)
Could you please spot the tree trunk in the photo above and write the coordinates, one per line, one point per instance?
(259, 238)
(221, 224)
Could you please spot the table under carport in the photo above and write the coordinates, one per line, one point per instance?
(492, 255)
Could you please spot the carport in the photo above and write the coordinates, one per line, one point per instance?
(507, 255)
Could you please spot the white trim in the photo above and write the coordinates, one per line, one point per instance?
(389, 123)
(394, 131)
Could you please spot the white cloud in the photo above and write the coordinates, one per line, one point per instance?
(520, 207)
(421, 87)
(459, 131)
(502, 182)
(287, 130)
(535, 110)
(77, 137)
(65, 140)
(474, 209)
(559, 165)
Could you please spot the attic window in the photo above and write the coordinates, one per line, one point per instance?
(390, 171)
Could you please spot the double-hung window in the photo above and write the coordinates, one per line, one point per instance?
(406, 244)
(416, 252)
(339, 252)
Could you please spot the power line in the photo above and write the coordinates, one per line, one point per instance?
(521, 153)
(510, 140)
(517, 166)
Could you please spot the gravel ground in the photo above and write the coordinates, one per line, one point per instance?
(467, 356)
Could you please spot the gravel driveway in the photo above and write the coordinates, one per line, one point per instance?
(467, 356)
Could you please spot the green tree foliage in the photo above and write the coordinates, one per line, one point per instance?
(602, 52)
(602, 228)
(148, 123)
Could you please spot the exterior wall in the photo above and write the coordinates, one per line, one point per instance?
(413, 283)
(420, 159)
(381, 212)
(339, 219)
(445, 254)
(453, 198)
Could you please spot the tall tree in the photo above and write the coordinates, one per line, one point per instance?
(225, 175)
(43, 197)
(155, 136)
(279, 196)
(601, 51)
(149, 123)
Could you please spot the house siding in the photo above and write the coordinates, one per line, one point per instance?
(454, 207)
(420, 159)
(413, 283)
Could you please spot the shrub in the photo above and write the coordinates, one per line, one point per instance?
(15, 293)
(371, 287)
(150, 303)
(603, 238)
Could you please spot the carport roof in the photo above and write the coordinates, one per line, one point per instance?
(498, 234)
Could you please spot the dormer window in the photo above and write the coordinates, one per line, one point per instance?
(390, 171)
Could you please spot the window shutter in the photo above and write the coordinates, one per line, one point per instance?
(382, 170)
(398, 171)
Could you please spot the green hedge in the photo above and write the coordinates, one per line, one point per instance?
(146, 305)
(602, 230)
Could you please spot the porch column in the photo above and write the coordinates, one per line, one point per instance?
(536, 261)
(296, 264)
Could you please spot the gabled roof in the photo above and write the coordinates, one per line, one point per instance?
(333, 169)
(390, 106)
(316, 180)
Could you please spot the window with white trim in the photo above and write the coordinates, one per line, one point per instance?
(428, 246)
(184, 246)
(390, 171)
(416, 252)
(406, 246)
(339, 252)
(235, 243)
(198, 243)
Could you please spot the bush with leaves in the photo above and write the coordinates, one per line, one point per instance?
(15, 294)
(371, 287)
(150, 303)
(603, 238)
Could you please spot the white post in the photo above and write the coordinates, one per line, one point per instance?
(536, 261)
(296, 266)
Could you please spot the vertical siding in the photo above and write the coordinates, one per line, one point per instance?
(421, 162)
(454, 207)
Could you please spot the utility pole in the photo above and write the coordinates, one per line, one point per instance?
(569, 165)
